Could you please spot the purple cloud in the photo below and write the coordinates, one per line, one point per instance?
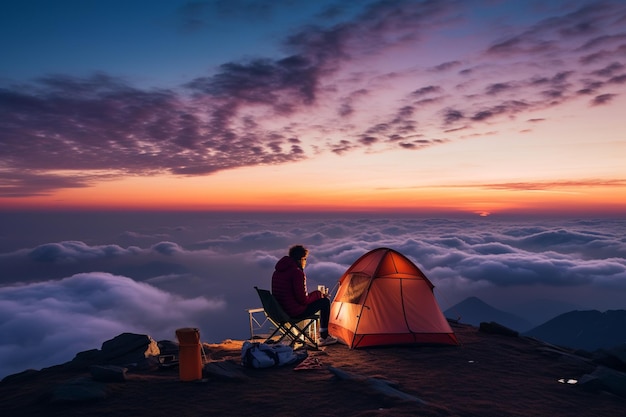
(104, 124)
(602, 99)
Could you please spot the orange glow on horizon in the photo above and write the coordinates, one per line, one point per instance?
(175, 194)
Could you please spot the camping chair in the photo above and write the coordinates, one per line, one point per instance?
(294, 328)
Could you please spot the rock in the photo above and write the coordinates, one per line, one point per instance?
(124, 349)
(606, 379)
(85, 359)
(169, 353)
(79, 390)
(590, 383)
(167, 347)
(21, 376)
(129, 348)
(495, 328)
(619, 352)
(108, 373)
(566, 355)
(225, 370)
(382, 386)
(613, 358)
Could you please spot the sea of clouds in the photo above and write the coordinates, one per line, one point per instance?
(69, 282)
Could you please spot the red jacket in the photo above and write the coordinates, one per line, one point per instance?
(289, 287)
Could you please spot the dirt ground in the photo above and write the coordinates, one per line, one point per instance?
(488, 375)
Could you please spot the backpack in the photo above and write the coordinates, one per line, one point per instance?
(262, 355)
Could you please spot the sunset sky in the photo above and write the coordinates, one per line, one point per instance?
(474, 106)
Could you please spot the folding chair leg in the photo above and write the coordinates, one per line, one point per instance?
(299, 335)
(294, 333)
(304, 332)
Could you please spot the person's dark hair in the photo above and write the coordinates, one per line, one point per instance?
(298, 252)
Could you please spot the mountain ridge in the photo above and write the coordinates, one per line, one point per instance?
(588, 329)
(578, 329)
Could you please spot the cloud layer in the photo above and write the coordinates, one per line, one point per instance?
(171, 271)
(318, 96)
(47, 323)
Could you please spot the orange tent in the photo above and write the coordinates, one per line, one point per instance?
(384, 299)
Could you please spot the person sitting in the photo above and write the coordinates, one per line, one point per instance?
(289, 289)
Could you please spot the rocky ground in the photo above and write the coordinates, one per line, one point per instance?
(489, 374)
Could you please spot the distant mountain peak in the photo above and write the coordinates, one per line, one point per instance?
(474, 311)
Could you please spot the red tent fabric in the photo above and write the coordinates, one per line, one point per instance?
(384, 299)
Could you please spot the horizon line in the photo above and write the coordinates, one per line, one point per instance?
(571, 213)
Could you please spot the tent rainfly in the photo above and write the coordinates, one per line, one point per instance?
(384, 299)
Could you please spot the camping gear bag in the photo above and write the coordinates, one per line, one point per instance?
(262, 355)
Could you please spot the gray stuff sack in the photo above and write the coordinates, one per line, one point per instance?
(262, 355)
